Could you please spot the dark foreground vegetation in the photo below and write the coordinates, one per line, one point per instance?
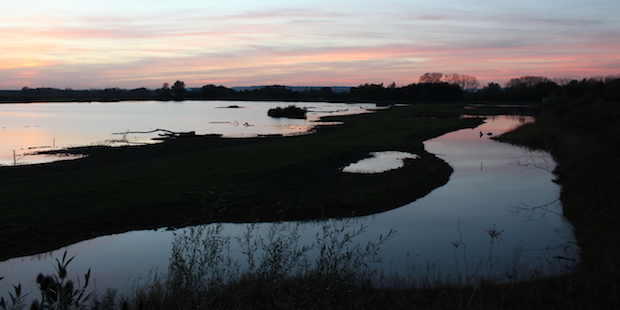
(583, 135)
(219, 179)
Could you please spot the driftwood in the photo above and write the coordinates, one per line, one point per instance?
(167, 134)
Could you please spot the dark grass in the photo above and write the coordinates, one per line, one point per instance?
(241, 180)
(583, 139)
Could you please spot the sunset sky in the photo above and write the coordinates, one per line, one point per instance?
(144, 43)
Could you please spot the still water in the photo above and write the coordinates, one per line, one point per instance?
(28, 128)
(444, 234)
(379, 162)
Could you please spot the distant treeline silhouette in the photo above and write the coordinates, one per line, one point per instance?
(432, 86)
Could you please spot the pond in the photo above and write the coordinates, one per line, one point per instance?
(499, 216)
(380, 162)
(28, 128)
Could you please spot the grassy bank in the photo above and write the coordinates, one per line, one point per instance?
(584, 138)
(272, 178)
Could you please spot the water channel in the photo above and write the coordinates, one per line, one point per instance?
(495, 188)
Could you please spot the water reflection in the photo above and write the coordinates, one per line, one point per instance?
(380, 162)
(29, 158)
(444, 234)
(48, 126)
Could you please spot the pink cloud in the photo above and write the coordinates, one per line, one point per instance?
(310, 46)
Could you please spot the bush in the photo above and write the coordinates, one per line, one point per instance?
(278, 271)
(291, 112)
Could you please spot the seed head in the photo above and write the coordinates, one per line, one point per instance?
(62, 272)
(46, 283)
(69, 286)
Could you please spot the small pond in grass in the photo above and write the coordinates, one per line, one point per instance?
(497, 217)
(380, 162)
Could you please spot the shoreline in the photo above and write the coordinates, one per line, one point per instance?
(189, 99)
(207, 179)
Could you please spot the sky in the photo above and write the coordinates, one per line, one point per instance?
(144, 43)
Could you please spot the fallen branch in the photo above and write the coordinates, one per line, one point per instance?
(167, 133)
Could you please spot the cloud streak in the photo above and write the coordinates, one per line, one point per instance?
(72, 44)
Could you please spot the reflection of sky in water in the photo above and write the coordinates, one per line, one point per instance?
(486, 183)
(379, 162)
(47, 125)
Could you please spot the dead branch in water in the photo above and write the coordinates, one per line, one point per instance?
(167, 133)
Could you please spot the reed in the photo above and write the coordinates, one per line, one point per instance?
(57, 291)
(276, 271)
(279, 269)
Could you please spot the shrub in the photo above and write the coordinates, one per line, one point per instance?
(291, 112)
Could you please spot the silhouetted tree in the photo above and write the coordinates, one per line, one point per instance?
(326, 92)
(613, 88)
(562, 81)
(466, 82)
(492, 91)
(164, 92)
(212, 91)
(545, 89)
(529, 88)
(526, 81)
(431, 77)
(431, 92)
(272, 92)
(141, 92)
(178, 90)
(368, 92)
(113, 93)
(575, 88)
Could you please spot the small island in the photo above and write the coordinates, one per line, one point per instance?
(291, 111)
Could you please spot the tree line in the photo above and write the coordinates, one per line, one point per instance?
(431, 86)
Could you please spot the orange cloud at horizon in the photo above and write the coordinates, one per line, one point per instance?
(67, 46)
(346, 66)
(21, 64)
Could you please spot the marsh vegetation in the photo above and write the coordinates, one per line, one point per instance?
(291, 111)
(279, 270)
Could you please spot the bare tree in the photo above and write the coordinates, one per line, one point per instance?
(562, 81)
(431, 77)
(463, 80)
(610, 78)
